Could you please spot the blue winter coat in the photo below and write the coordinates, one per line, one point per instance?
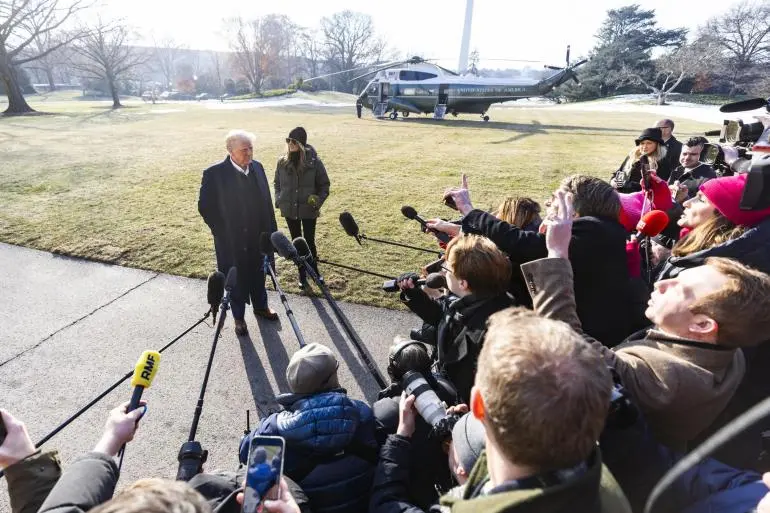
(330, 448)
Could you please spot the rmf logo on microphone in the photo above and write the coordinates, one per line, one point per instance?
(145, 369)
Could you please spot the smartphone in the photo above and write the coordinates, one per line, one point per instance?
(265, 467)
(3, 431)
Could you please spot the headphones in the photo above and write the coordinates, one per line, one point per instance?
(394, 356)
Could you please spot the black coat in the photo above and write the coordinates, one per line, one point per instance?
(460, 327)
(394, 477)
(673, 152)
(237, 208)
(603, 289)
(630, 181)
(692, 179)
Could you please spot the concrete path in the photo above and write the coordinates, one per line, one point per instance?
(69, 329)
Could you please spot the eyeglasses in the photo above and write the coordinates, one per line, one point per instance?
(447, 269)
(291, 141)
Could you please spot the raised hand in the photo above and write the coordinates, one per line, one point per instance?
(559, 226)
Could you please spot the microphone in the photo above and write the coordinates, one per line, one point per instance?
(216, 289)
(644, 160)
(283, 246)
(350, 226)
(433, 281)
(411, 213)
(712, 133)
(232, 280)
(652, 223)
(752, 104)
(300, 244)
(144, 372)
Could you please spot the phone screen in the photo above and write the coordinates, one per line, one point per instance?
(264, 471)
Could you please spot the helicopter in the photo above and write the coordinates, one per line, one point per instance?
(419, 86)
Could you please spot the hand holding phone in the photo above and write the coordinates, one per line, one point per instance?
(15, 443)
(264, 471)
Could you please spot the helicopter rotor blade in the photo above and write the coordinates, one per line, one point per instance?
(381, 68)
(580, 63)
(568, 56)
(557, 68)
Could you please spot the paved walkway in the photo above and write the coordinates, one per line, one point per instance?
(69, 329)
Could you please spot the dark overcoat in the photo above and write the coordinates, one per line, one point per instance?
(238, 208)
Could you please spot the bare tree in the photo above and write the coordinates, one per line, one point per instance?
(311, 49)
(166, 53)
(260, 46)
(50, 61)
(22, 22)
(350, 41)
(671, 68)
(106, 55)
(743, 33)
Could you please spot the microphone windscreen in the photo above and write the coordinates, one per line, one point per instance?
(232, 279)
(349, 224)
(145, 370)
(409, 212)
(302, 248)
(752, 104)
(216, 288)
(265, 244)
(435, 281)
(283, 246)
(652, 223)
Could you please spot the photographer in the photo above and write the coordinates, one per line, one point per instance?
(477, 274)
(396, 469)
(683, 371)
(426, 461)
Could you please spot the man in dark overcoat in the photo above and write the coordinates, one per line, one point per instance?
(235, 203)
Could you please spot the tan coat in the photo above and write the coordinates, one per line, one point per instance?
(680, 385)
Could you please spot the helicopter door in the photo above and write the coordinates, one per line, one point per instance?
(443, 94)
(384, 91)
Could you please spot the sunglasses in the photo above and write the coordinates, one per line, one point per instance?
(292, 141)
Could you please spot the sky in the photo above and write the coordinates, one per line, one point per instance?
(502, 29)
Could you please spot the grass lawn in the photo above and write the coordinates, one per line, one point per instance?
(122, 186)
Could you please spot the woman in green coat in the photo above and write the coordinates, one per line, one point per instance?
(301, 187)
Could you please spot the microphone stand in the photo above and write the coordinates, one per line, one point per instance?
(191, 455)
(366, 237)
(303, 261)
(285, 301)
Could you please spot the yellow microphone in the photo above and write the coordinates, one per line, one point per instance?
(144, 373)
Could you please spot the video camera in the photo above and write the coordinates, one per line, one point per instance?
(743, 148)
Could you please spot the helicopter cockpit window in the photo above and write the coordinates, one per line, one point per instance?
(415, 75)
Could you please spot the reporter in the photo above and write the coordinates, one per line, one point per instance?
(91, 479)
(30, 475)
(650, 143)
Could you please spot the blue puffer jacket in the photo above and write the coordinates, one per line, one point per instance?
(330, 448)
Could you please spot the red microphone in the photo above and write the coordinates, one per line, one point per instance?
(652, 223)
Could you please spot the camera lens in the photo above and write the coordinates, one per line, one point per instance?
(426, 401)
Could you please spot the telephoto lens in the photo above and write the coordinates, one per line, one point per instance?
(427, 402)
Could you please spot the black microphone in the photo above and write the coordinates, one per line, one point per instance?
(712, 133)
(644, 160)
(232, 279)
(283, 246)
(433, 281)
(411, 213)
(216, 289)
(300, 244)
(350, 226)
(265, 245)
(752, 104)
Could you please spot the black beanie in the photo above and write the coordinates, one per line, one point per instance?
(299, 135)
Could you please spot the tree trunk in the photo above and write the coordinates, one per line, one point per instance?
(662, 98)
(51, 82)
(114, 90)
(16, 102)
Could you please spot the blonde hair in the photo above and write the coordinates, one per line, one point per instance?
(518, 211)
(286, 157)
(716, 230)
(546, 391)
(156, 496)
(635, 154)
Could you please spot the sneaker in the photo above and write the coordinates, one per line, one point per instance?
(266, 313)
(240, 328)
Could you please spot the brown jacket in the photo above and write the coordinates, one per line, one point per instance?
(680, 385)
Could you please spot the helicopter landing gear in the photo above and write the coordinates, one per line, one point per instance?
(485, 118)
(393, 115)
(454, 113)
(405, 114)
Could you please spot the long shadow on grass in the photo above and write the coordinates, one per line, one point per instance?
(261, 389)
(360, 372)
(533, 127)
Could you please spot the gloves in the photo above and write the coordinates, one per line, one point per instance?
(313, 200)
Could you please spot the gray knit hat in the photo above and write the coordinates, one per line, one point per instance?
(468, 440)
(312, 369)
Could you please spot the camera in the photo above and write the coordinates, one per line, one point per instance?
(426, 400)
(744, 148)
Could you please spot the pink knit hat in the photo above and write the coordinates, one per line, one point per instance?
(725, 194)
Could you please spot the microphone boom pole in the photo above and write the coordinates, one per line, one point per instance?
(191, 455)
(349, 268)
(287, 307)
(407, 246)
